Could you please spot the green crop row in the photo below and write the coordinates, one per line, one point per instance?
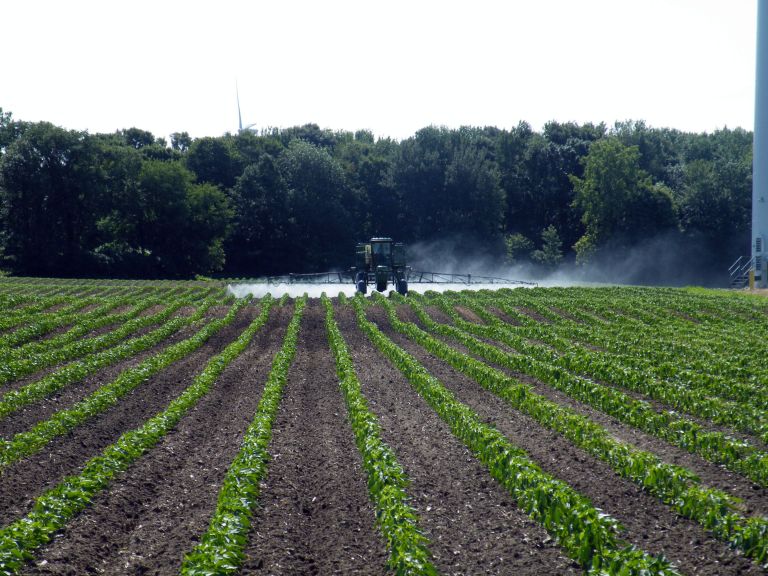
(601, 366)
(707, 365)
(674, 485)
(720, 347)
(80, 369)
(387, 482)
(588, 535)
(681, 354)
(12, 302)
(84, 324)
(221, 548)
(39, 325)
(30, 362)
(23, 314)
(59, 505)
(26, 443)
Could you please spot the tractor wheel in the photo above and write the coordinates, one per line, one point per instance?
(361, 281)
(402, 287)
(381, 286)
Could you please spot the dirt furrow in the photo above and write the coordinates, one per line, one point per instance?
(315, 516)
(27, 416)
(649, 524)
(156, 511)
(755, 497)
(473, 524)
(66, 454)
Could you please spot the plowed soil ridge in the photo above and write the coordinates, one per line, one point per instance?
(65, 455)
(755, 497)
(315, 516)
(472, 523)
(647, 522)
(157, 510)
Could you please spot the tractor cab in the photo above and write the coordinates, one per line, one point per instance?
(380, 260)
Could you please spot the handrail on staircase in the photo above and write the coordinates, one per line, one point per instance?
(735, 265)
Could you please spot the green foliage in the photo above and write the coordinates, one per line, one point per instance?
(551, 250)
(321, 206)
(222, 547)
(449, 184)
(48, 181)
(519, 248)
(297, 199)
(261, 229)
(57, 506)
(387, 482)
(181, 141)
(214, 160)
(617, 199)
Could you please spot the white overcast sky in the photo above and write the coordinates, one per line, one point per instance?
(388, 66)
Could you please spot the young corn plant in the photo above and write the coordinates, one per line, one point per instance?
(56, 507)
(387, 482)
(221, 548)
(34, 359)
(26, 443)
(541, 362)
(674, 485)
(585, 533)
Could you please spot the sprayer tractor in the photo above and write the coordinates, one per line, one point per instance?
(380, 261)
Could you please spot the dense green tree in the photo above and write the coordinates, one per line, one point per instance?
(181, 141)
(214, 160)
(48, 180)
(450, 184)
(551, 253)
(117, 248)
(474, 197)
(715, 201)
(202, 240)
(128, 203)
(518, 247)
(261, 229)
(659, 149)
(10, 129)
(419, 175)
(617, 200)
(322, 229)
(182, 225)
(138, 138)
(535, 176)
(311, 133)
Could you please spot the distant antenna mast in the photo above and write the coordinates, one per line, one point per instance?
(239, 117)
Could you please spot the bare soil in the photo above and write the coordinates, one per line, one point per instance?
(647, 522)
(314, 514)
(155, 512)
(66, 454)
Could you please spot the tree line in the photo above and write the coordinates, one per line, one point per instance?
(297, 199)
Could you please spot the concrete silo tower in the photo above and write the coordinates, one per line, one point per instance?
(760, 153)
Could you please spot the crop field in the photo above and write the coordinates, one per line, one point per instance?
(169, 428)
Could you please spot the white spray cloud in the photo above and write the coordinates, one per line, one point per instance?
(259, 289)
